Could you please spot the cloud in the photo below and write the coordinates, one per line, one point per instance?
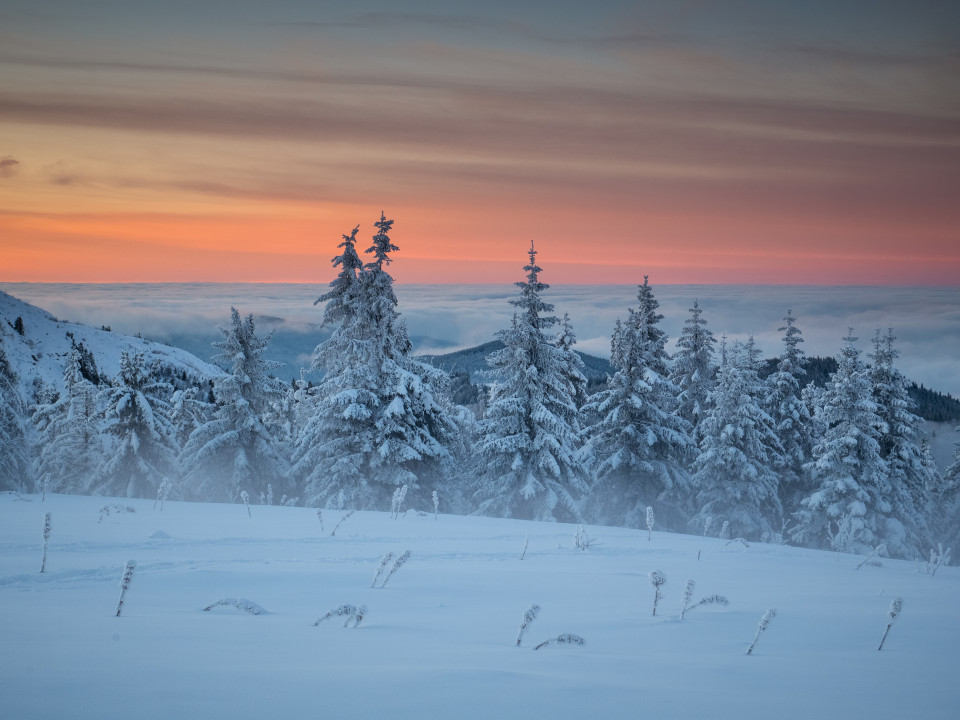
(926, 321)
(9, 166)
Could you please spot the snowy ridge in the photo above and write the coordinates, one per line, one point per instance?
(43, 349)
(440, 640)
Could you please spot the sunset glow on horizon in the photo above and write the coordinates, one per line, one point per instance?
(757, 143)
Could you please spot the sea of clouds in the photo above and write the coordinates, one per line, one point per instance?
(440, 318)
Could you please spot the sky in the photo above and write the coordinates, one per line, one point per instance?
(813, 142)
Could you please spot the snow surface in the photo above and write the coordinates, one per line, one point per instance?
(439, 640)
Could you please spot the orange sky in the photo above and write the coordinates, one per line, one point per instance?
(696, 147)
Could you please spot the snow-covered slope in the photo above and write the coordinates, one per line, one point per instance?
(439, 641)
(44, 347)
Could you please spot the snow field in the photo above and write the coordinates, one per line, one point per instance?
(438, 641)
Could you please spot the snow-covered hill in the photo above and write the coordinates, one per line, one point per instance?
(44, 346)
(439, 641)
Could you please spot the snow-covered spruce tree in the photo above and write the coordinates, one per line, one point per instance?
(136, 418)
(791, 418)
(912, 473)
(850, 508)
(693, 368)
(14, 452)
(379, 423)
(528, 434)
(566, 339)
(637, 446)
(734, 474)
(947, 504)
(69, 450)
(235, 449)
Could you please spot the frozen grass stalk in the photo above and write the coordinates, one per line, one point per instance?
(320, 518)
(563, 639)
(161, 493)
(657, 579)
(436, 504)
(528, 617)
(398, 563)
(125, 583)
(239, 604)
(246, 501)
(649, 523)
(764, 622)
(895, 607)
(526, 541)
(381, 567)
(341, 522)
(350, 612)
(47, 525)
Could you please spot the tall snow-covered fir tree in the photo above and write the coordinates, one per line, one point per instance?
(566, 339)
(734, 474)
(14, 446)
(913, 474)
(638, 445)
(379, 423)
(946, 526)
(529, 430)
(136, 418)
(850, 508)
(693, 368)
(791, 417)
(69, 449)
(235, 450)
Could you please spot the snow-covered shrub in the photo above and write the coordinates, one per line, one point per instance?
(162, 493)
(350, 612)
(239, 603)
(581, 540)
(397, 564)
(563, 639)
(709, 600)
(938, 557)
(724, 530)
(764, 623)
(337, 527)
(396, 505)
(707, 523)
(381, 567)
(246, 501)
(436, 504)
(270, 494)
(47, 525)
(528, 617)
(896, 605)
(125, 583)
(649, 523)
(873, 558)
(657, 579)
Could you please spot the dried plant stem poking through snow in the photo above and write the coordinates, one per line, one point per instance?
(320, 518)
(350, 612)
(125, 583)
(398, 563)
(764, 623)
(239, 603)
(246, 501)
(528, 617)
(649, 523)
(436, 505)
(526, 542)
(563, 639)
(381, 567)
(896, 606)
(47, 525)
(337, 526)
(162, 494)
(657, 579)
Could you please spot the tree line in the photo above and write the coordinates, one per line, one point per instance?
(710, 437)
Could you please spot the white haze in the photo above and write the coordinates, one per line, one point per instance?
(926, 320)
